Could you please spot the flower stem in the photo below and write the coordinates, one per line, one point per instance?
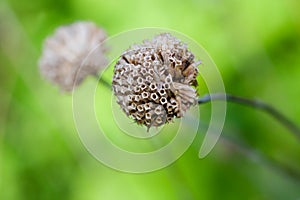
(291, 126)
(258, 157)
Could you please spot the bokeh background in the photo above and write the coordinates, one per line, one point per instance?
(255, 44)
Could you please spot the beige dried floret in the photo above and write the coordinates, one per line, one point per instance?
(65, 50)
(155, 81)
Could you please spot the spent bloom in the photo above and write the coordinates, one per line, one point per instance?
(65, 51)
(155, 81)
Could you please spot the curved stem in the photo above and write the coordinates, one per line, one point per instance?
(259, 157)
(291, 126)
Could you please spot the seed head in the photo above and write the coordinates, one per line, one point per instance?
(154, 81)
(64, 51)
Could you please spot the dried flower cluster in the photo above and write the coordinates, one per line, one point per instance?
(153, 81)
(65, 50)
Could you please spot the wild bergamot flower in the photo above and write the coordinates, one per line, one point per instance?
(64, 51)
(155, 81)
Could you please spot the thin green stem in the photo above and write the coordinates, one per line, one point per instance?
(257, 156)
(291, 126)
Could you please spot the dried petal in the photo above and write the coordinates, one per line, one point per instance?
(65, 50)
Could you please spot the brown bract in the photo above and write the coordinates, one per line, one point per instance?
(155, 81)
(65, 50)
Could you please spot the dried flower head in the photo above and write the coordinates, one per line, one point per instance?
(65, 50)
(154, 81)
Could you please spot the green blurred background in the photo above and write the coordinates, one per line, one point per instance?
(255, 44)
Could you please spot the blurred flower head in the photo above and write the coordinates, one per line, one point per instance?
(65, 50)
(155, 81)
